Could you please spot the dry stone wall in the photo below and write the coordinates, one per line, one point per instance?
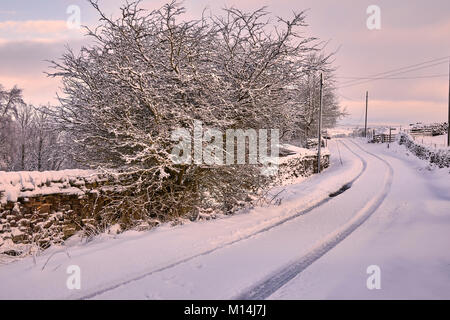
(47, 207)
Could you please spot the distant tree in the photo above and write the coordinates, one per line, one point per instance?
(51, 147)
(29, 136)
(306, 93)
(25, 137)
(10, 101)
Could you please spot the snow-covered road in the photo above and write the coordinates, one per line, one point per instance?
(408, 237)
(394, 215)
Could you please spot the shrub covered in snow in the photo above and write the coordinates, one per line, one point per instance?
(149, 73)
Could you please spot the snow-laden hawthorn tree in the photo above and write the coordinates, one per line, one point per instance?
(149, 73)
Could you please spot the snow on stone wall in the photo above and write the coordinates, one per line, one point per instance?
(45, 207)
(24, 184)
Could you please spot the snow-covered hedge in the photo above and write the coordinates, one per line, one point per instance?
(441, 157)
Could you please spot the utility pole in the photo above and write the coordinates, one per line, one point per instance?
(365, 124)
(390, 136)
(319, 146)
(448, 120)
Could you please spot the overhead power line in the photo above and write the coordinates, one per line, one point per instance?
(406, 67)
(393, 74)
(415, 77)
(398, 71)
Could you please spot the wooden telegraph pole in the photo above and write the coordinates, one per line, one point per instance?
(390, 136)
(320, 125)
(365, 123)
(448, 120)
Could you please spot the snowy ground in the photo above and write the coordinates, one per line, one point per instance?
(340, 131)
(408, 238)
(396, 214)
(434, 143)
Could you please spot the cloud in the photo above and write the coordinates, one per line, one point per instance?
(412, 32)
(8, 12)
(44, 31)
(25, 57)
(33, 26)
(23, 63)
(37, 88)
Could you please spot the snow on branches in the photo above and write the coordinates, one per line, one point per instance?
(148, 73)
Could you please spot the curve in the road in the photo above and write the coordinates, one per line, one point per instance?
(348, 185)
(187, 259)
(279, 278)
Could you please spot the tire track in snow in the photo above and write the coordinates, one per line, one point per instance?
(348, 185)
(276, 280)
(265, 229)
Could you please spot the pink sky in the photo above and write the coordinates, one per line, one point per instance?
(412, 31)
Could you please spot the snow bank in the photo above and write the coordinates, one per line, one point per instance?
(298, 152)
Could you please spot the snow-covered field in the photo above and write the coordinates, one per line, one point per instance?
(394, 213)
(340, 131)
(436, 142)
